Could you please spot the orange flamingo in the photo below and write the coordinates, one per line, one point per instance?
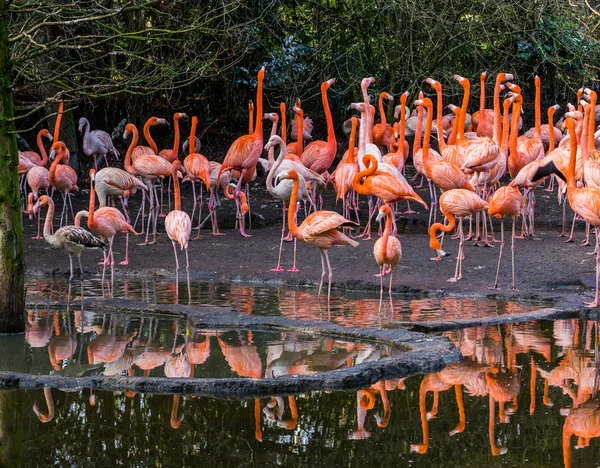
(178, 223)
(319, 155)
(152, 149)
(344, 174)
(148, 167)
(398, 157)
(382, 132)
(197, 169)
(320, 229)
(387, 251)
(583, 422)
(172, 154)
(244, 152)
(62, 176)
(583, 201)
(482, 120)
(457, 203)
(506, 202)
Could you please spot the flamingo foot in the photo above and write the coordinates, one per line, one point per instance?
(37, 237)
(162, 215)
(218, 234)
(293, 270)
(277, 268)
(103, 263)
(245, 234)
(124, 262)
(569, 240)
(585, 243)
(436, 259)
(289, 237)
(409, 212)
(591, 304)
(454, 280)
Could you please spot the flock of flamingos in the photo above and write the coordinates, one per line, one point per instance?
(475, 153)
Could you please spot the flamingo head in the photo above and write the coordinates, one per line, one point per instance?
(46, 133)
(359, 106)
(455, 109)
(434, 84)
(514, 88)
(504, 77)
(404, 97)
(483, 76)
(82, 122)
(272, 116)
(274, 141)
(329, 83)
(383, 212)
(298, 110)
(387, 96)
(60, 149)
(290, 174)
(180, 115)
(42, 201)
(261, 73)
(366, 82)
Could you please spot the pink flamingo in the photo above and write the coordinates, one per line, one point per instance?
(62, 176)
(197, 169)
(106, 222)
(178, 223)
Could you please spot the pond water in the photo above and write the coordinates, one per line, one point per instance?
(519, 389)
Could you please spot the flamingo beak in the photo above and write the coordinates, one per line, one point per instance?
(380, 216)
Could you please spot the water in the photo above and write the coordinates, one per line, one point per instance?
(541, 370)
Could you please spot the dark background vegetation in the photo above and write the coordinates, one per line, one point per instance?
(117, 59)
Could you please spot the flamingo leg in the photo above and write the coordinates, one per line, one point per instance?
(331, 277)
(500, 254)
(80, 267)
(381, 269)
(594, 303)
(161, 214)
(195, 201)
(390, 294)
(71, 206)
(71, 268)
(199, 214)
(512, 249)
(323, 273)
(176, 259)
(278, 267)
(570, 239)
(126, 261)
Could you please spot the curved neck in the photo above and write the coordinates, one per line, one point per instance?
(356, 185)
(481, 100)
(328, 117)
(57, 159)
(86, 125)
(292, 209)
(175, 154)
(258, 129)
(192, 146)
(61, 106)
(280, 157)
(433, 230)
(176, 189)
(272, 149)
(48, 222)
(463, 110)
(41, 149)
(132, 145)
(551, 142)
(381, 111)
(283, 123)
(440, 131)
(386, 235)
(148, 137)
(417, 142)
(351, 156)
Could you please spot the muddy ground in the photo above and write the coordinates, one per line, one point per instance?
(547, 268)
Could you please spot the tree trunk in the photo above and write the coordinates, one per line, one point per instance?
(12, 263)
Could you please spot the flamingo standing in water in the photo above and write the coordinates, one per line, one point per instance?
(456, 203)
(244, 152)
(75, 240)
(106, 222)
(387, 251)
(197, 169)
(96, 143)
(178, 223)
(62, 176)
(320, 229)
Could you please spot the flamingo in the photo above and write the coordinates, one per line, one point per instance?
(75, 240)
(387, 251)
(34, 157)
(114, 182)
(178, 223)
(482, 120)
(456, 203)
(320, 229)
(38, 177)
(172, 154)
(344, 174)
(382, 132)
(583, 201)
(398, 157)
(106, 222)
(244, 152)
(506, 202)
(319, 155)
(582, 422)
(213, 200)
(152, 149)
(148, 167)
(197, 169)
(62, 176)
(283, 189)
(96, 143)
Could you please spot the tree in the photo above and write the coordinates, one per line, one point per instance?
(12, 263)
